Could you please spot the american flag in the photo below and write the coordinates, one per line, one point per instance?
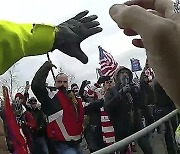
(107, 62)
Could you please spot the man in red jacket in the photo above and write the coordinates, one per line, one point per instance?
(64, 111)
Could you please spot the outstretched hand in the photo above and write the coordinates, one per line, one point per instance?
(72, 32)
(160, 32)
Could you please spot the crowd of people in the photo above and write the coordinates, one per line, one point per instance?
(114, 108)
(71, 119)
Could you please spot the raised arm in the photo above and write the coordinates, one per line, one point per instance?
(20, 40)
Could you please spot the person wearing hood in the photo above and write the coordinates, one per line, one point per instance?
(124, 107)
(64, 111)
(157, 22)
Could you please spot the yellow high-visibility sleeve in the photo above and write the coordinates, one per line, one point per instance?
(20, 40)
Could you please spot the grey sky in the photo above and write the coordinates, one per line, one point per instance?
(111, 39)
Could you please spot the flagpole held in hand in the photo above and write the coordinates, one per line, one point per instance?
(51, 67)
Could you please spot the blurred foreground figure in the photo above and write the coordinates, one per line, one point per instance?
(20, 40)
(159, 29)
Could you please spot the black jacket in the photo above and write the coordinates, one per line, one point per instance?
(147, 93)
(40, 118)
(118, 107)
(48, 96)
(45, 95)
(94, 113)
(162, 100)
(163, 104)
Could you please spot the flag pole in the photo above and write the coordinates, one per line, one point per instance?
(51, 67)
(136, 75)
(97, 73)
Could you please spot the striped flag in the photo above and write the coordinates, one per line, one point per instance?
(107, 128)
(107, 62)
(148, 72)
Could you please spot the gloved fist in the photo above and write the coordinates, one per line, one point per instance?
(126, 88)
(136, 88)
(72, 32)
(50, 64)
(85, 82)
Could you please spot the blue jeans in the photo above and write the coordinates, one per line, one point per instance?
(62, 148)
(40, 145)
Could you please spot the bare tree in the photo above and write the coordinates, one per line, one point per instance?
(11, 81)
(61, 70)
(177, 6)
(71, 78)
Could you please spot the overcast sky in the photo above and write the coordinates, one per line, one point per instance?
(111, 39)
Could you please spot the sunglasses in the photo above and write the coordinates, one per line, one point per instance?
(110, 81)
(62, 81)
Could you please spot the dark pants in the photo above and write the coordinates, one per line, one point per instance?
(93, 135)
(50, 146)
(145, 145)
(40, 145)
(159, 113)
(61, 148)
(169, 136)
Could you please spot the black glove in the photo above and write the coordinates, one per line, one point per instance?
(72, 32)
(85, 83)
(49, 64)
(126, 88)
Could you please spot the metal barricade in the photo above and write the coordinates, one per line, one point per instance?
(118, 145)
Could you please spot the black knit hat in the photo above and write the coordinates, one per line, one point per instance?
(102, 79)
(74, 85)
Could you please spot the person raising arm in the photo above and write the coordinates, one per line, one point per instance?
(20, 40)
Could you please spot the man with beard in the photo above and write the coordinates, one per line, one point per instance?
(64, 111)
(124, 107)
(20, 40)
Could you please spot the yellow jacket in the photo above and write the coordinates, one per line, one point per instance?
(20, 40)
